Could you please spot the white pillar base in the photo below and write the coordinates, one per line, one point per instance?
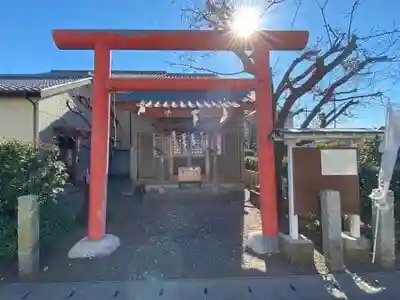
(86, 248)
(262, 244)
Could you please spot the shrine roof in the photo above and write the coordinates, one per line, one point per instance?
(58, 81)
(184, 99)
(320, 134)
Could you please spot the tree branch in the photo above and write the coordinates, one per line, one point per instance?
(341, 111)
(189, 66)
(286, 82)
(76, 111)
(320, 71)
(326, 75)
(326, 99)
(372, 95)
(352, 12)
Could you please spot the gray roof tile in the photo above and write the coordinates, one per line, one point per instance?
(35, 83)
(29, 84)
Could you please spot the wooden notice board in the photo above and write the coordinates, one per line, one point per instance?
(340, 175)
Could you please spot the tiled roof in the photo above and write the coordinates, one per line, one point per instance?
(130, 73)
(192, 104)
(41, 85)
(88, 72)
(324, 133)
(21, 85)
(185, 99)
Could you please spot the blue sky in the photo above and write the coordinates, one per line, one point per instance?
(27, 46)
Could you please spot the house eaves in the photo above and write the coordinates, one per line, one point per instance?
(323, 134)
(34, 86)
(64, 87)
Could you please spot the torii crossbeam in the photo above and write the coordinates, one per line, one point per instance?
(104, 41)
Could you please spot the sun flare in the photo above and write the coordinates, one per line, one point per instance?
(245, 21)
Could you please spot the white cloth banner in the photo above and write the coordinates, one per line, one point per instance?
(389, 149)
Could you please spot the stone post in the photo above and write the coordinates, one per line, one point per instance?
(28, 235)
(331, 220)
(356, 247)
(385, 254)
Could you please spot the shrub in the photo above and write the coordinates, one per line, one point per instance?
(27, 170)
(249, 152)
(251, 163)
(370, 159)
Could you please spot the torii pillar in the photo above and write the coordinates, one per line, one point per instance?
(97, 242)
(268, 242)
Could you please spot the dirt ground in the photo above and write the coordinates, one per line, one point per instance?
(181, 234)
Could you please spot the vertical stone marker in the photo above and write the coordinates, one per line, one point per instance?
(28, 235)
(331, 220)
(385, 252)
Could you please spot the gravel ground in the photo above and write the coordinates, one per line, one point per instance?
(180, 234)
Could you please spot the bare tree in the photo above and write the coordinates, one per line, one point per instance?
(342, 71)
(82, 107)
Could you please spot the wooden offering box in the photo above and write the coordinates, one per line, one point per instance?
(189, 174)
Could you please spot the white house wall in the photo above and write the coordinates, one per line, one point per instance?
(53, 111)
(16, 119)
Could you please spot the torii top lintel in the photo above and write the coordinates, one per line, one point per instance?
(176, 40)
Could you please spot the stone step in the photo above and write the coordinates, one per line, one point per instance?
(288, 287)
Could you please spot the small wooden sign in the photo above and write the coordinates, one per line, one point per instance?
(316, 169)
(189, 174)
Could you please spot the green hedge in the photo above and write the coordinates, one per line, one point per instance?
(251, 163)
(370, 159)
(25, 170)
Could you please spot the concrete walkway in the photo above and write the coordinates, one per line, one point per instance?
(382, 286)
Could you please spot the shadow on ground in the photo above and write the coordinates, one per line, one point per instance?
(175, 235)
(171, 236)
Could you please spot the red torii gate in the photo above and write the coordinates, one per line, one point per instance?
(104, 41)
